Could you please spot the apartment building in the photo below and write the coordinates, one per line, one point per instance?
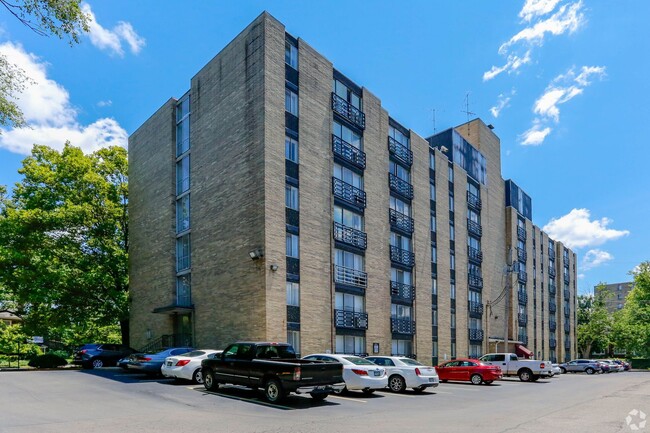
(614, 294)
(384, 242)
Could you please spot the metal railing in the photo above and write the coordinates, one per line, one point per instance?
(552, 325)
(522, 256)
(350, 236)
(348, 111)
(566, 278)
(348, 152)
(522, 276)
(522, 297)
(399, 255)
(400, 186)
(348, 193)
(567, 344)
(522, 319)
(552, 343)
(552, 307)
(401, 291)
(551, 271)
(476, 334)
(350, 277)
(567, 294)
(567, 327)
(474, 228)
(521, 233)
(475, 281)
(166, 341)
(293, 313)
(552, 289)
(474, 254)
(400, 221)
(551, 254)
(350, 319)
(566, 312)
(473, 201)
(402, 326)
(475, 309)
(400, 152)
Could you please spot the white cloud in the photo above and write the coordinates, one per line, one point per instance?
(536, 8)
(581, 276)
(513, 64)
(51, 117)
(106, 103)
(576, 230)
(502, 102)
(594, 258)
(111, 40)
(535, 135)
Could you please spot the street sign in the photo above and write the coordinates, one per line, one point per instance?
(36, 340)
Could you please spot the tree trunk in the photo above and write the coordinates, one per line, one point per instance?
(586, 351)
(124, 327)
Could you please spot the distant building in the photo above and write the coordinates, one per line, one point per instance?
(615, 294)
(8, 318)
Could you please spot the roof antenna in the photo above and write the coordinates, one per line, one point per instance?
(466, 110)
(433, 111)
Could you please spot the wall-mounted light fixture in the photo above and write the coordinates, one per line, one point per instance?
(256, 254)
(274, 267)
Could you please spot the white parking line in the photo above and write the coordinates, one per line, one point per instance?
(398, 395)
(347, 398)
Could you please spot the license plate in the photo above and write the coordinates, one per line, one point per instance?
(432, 379)
(319, 388)
(377, 373)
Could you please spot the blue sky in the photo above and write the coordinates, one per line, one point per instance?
(564, 82)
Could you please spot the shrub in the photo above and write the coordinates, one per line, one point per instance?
(49, 360)
(60, 353)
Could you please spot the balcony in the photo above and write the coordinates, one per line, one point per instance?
(348, 193)
(522, 276)
(400, 221)
(566, 278)
(521, 233)
(475, 309)
(402, 326)
(474, 228)
(400, 152)
(473, 202)
(567, 344)
(552, 343)
(347, 152)
(551, 271)
(522, 256)
(475, 281)
(402, 292)
(565, 261)
(522, 319)
(350, 277)
(350, 319)
(522, 296)
(475, 255)
(567, 295)
(552, 307)
(348, 111)
(402, 256)
(552, 289)
(566, 312)
(475, 334)
(567, 327)
(400, 186)
(350, 236)
(551, 254)
(293, 314)
(523, 338)
(552, 325)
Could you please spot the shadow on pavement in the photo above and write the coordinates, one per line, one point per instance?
(291, 402)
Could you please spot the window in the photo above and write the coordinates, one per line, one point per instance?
(398, 136)
(348, 176)
(400, 276)
(474, 296)
(348, 302)
(474, 323)
(473, 216)
(348, 218)
(347, 135)
(291, 102)
(434, 286)
(451, 173)
(183, 126)
(350, 344)
(293, 338)
(400, 206)
(184, 290)
(291, 149)
(452, 232)
(342, 91)
(473, 189)
(474, 242)
(433, 223)
(434, 351)
(400, 241)
(434, 317)
(452, 261)
(293, 294)
(292, 245)
(402, 347)
(453, 320)
(183, 252)
(452, 290)
(399, 171)
(291, 56)
(453, 349)
(434, 254)
(398, 311)
(451, 201)
(183, 175)
(432, 191)
(291, 197)
(619, 296)
(183, 213)
(349, 260)
(475, 351)
(432, 161)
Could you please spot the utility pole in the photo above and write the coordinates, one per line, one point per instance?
(506, 316)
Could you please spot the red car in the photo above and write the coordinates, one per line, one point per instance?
(468, 369)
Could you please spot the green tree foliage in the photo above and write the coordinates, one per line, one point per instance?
(632, 323)
(13, 340)
(63, 242)
(594, 324)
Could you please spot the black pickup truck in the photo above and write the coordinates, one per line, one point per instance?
(274, 368)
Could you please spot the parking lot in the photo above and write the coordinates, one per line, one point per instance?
(111, 400)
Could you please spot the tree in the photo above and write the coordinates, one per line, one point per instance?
(63, 241)
(61, 18)
(632, 324)
(594, 324)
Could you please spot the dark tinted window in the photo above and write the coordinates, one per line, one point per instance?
(178, 351)
(498, 357)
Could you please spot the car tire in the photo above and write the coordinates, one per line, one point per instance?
(525, 375)
(476, 379)
(589, 370)
(209, 381)
(488, 382)
(368, 391)
(273, 392)
(396, 383)
(342, 391)
(97, 363)
(563, 370)
(534, 378)
(319, 396)
(197, 377)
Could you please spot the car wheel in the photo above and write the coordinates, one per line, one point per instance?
(525, 375)
(197, 377)
(342, 391)
(209, 382)
(273, 391)
(97, 363)
(590, 370)
(319, 396)
(396, 383)
(563, 370)
(368, 391)
(476, 379)
(488, 382)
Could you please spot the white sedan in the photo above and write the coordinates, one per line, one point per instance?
(358, 373)
(556, 370)
(188, 365)
(405, 373)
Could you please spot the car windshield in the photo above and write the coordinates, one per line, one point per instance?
(194, 353)
(358, 361)
(409, 361)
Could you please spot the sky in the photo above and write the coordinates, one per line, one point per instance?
(564, 82)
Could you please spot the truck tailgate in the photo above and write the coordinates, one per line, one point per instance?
(318, 372)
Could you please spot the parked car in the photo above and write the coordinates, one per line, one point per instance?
(472, 370)
(274, 368)
(555, 368)
(150, 363)
(626, 365)
(588, 366)
(604, 366)
(405, 373)
(613, 366)
(188, 365)
(528, 370)
(358, 373)
(100, 355)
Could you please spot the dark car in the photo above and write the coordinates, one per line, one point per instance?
(100, 355)
(150, 363)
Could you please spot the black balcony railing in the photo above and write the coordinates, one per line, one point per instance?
(566, 278)
(565, 261)
(521, 233)
(348, 152)
(348, 193)
(552, 307)
(567, 344)
(474, 254)
(567, 327)
(475, 334)
(350, 236)
(348, 111)
(400, 221)
(402, 326)
(400, 152)
(522, 256)
(552, 343)
(551, 271)
(567, 295)
(552, 325)
(474, 228)
(523, 338)
(350, 319)
(400, 186)
(401, 291)
(522, 276)
(566, 312)
(473, 201)
(522, 296)
(402, 256)
(475, 281)
(522, 319)
(551, 254)
(350, 277)
(293, 313)
(552, 289)
(475, 309)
